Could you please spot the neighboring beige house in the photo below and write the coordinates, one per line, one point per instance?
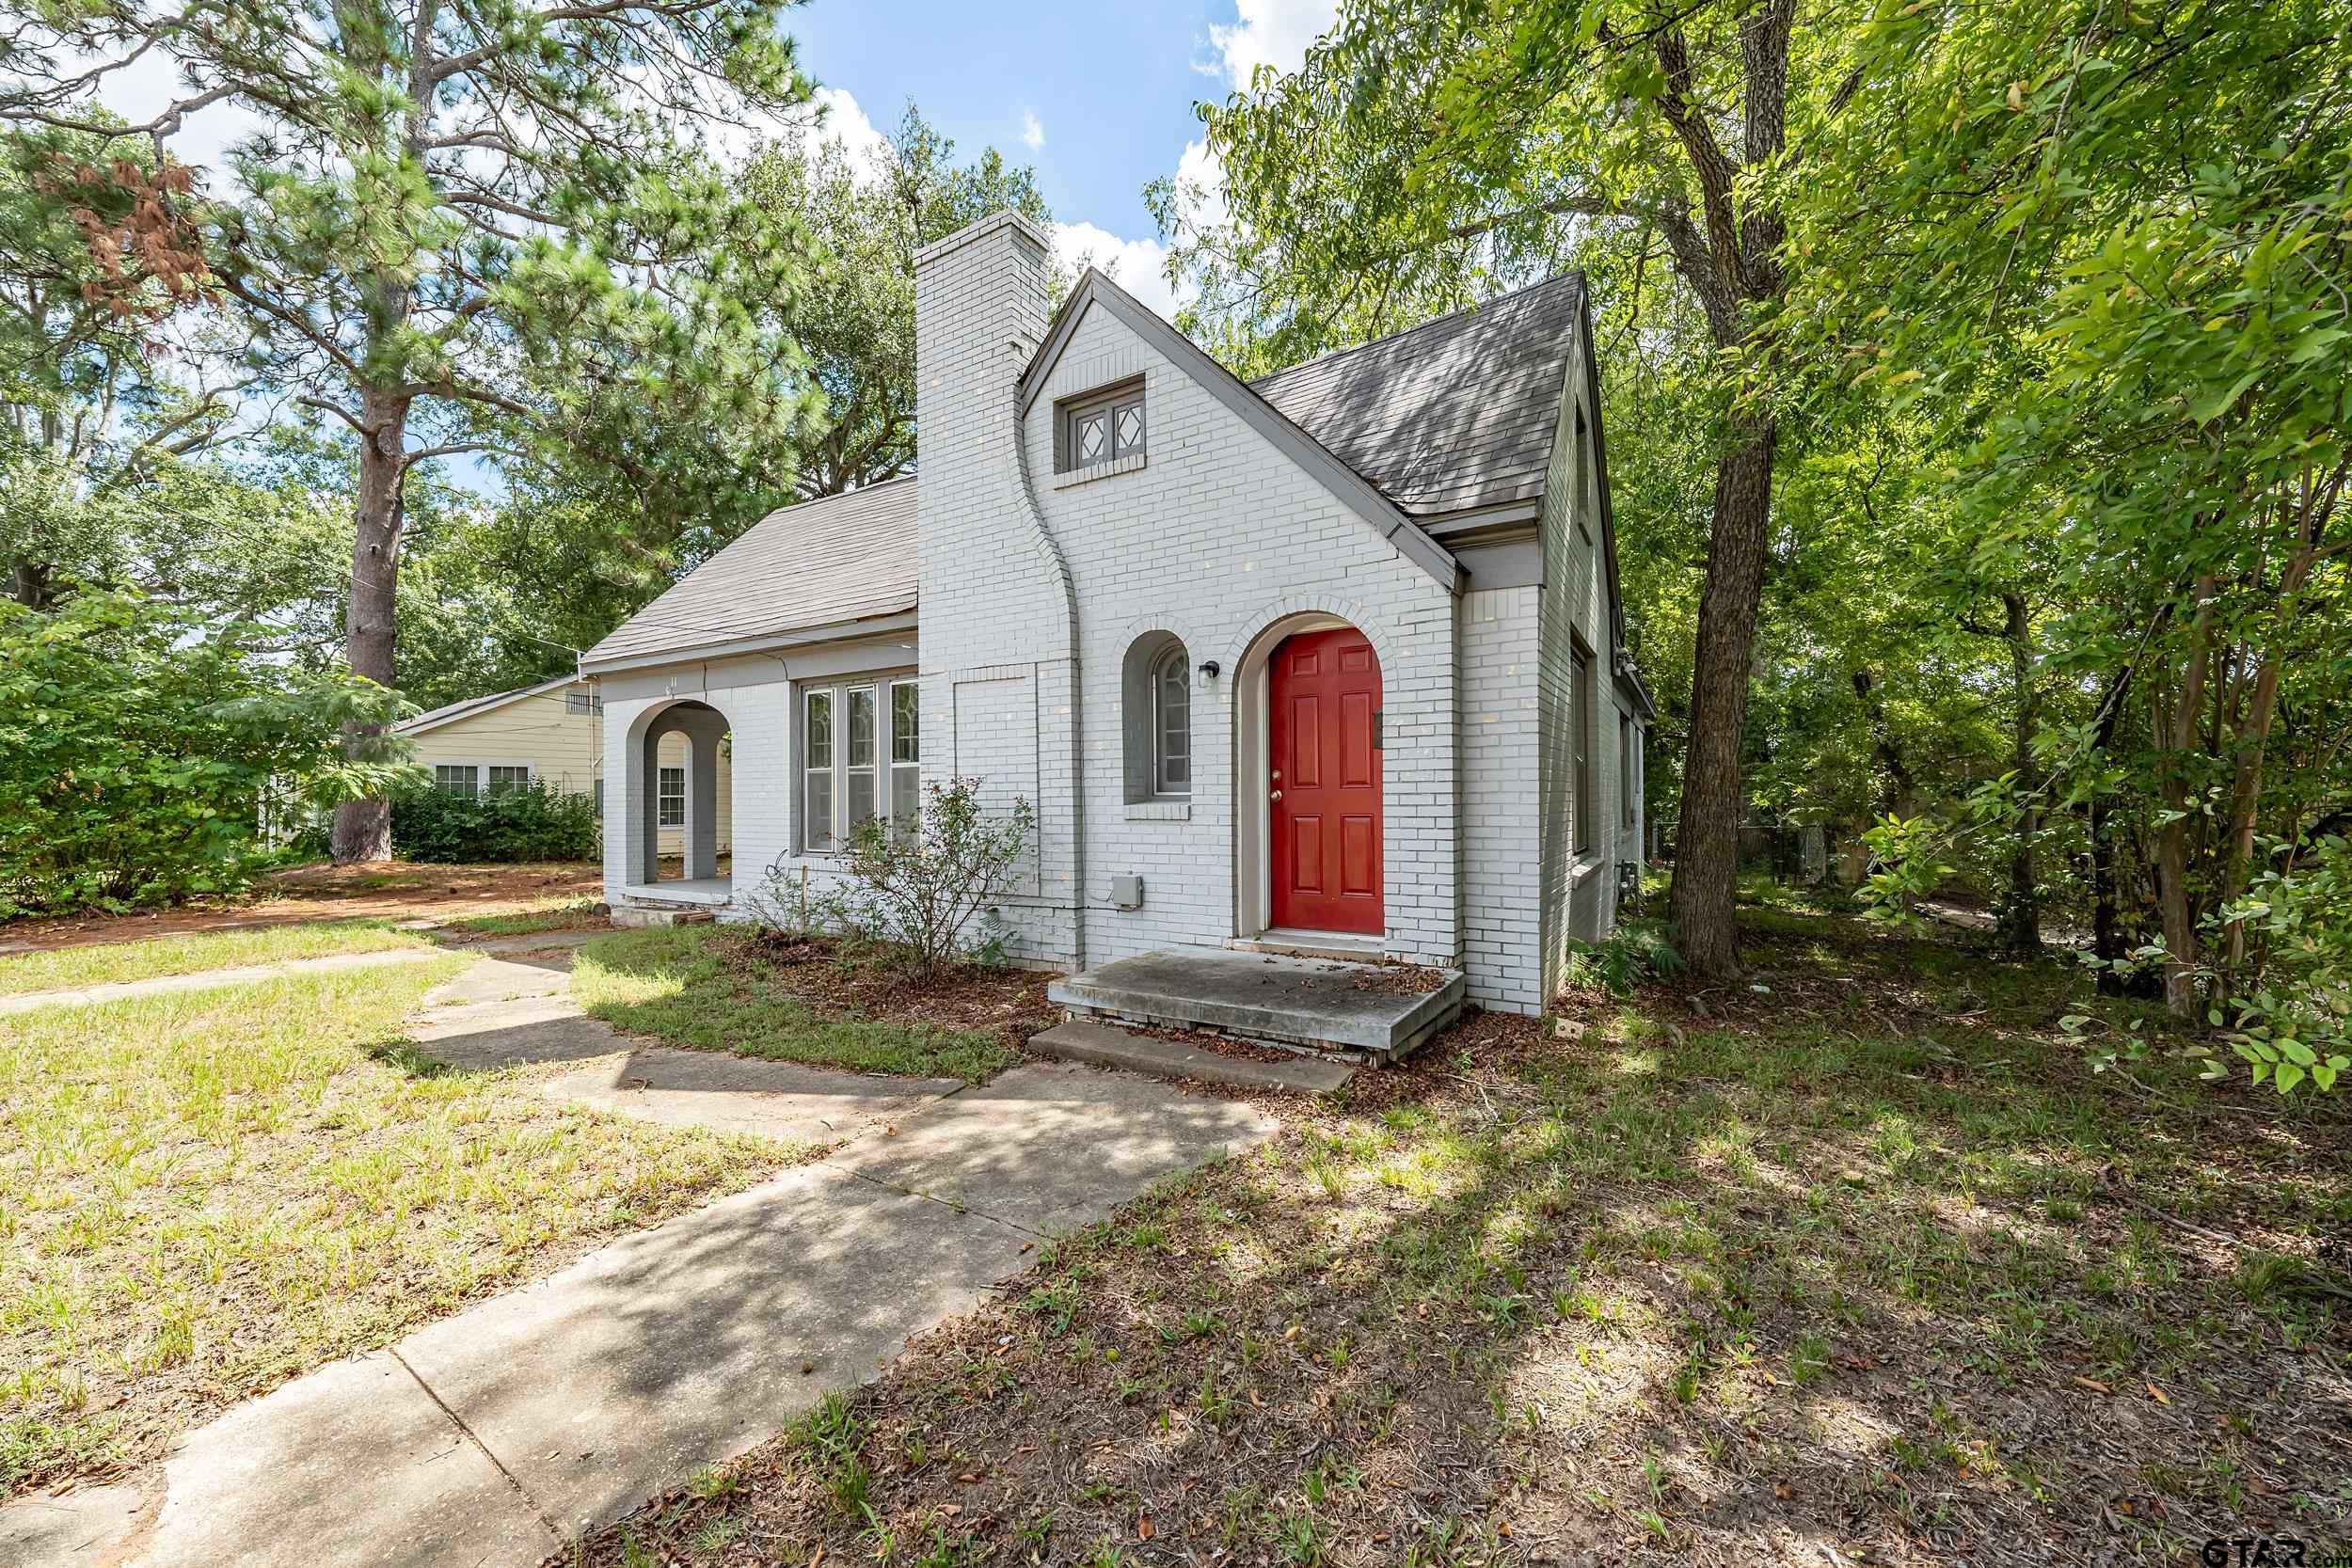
(550, 733)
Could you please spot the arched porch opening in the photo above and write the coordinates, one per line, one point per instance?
(675, 783)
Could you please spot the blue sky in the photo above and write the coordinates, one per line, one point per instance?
(1099, 97)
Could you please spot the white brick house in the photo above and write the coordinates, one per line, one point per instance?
(1333, 662)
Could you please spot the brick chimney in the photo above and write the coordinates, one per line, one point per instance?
(998, 637)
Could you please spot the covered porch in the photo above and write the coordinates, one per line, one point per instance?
(682, 804)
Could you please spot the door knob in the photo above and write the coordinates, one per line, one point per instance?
(1276, 796)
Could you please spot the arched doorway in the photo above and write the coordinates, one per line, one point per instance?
(1324, 794)
(679, 778)
(1311, 817)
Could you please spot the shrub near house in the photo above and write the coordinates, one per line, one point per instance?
(519, 822)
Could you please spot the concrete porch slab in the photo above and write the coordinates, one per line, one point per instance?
(1263, 996)
(1103, 1045)
(708, 891)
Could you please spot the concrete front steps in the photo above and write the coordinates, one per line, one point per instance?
(1104, 1045)
(1349, 1008)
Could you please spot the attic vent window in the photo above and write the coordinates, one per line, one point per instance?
(1099, 427)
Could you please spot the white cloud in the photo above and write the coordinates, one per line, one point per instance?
(1138, 266)
(1266, 32)
(149, 85)
(1199, 189)
(846, 122)
(1032, 130)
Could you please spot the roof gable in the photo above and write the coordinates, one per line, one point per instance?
(467, 707)
(1343, 482)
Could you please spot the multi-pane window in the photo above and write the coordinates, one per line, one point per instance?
(456, 778)
(508, 778)
(1580, 743)
(1171, 722)
(906, 752)
(582, 702)
(670, 798)
(851, 734)
(1629, 765)
(1102, 429)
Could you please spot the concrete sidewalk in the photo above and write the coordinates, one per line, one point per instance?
(212, 979)
(493, 1437)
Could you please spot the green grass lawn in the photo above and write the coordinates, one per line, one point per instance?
(1869, 1258)
(204, 1194)
(706, 986)
(572, 915)
(74, 968)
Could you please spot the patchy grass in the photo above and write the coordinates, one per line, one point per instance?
(73, 968)
(204, 1194)
(1867, 1259)
(722, 989)
(577, 915)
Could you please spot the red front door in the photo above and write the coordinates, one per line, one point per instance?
(1325, 717)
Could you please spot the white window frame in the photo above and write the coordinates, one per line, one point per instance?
(472, 771)
(1628, 768)
(882, 765)
(661, 796)
(1175, 660)
(1586, 826)
(491, 770)
(910, 764)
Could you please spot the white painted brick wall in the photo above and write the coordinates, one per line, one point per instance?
(996, 643)
(1216, 537)
(1502, 872)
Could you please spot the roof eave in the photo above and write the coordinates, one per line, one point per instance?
(478, 706)
(791, 637)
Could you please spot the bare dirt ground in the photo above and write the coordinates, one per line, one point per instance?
(389, 889)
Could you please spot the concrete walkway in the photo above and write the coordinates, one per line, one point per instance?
(212, 979)
(493, 1437)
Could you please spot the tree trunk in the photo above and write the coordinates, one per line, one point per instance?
(363, 829)
(1706, 844)
(2252, 739)
(2019, 918)
(2175, 732)
(2106, 936)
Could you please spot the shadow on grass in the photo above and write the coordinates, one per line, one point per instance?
(1848, 1269)
(708, 988)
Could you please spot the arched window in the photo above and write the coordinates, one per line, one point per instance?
(1171, 722)
(1156, 718)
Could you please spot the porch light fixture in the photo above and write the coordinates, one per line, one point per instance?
(1208, 668)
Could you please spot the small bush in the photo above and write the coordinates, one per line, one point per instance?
(1636, 950)
(919, 889)
(528, 823)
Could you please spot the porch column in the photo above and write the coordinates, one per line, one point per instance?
(702, 802)
(645, 799)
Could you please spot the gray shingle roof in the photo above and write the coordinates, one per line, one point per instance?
(844, 558)
(1455, 413)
